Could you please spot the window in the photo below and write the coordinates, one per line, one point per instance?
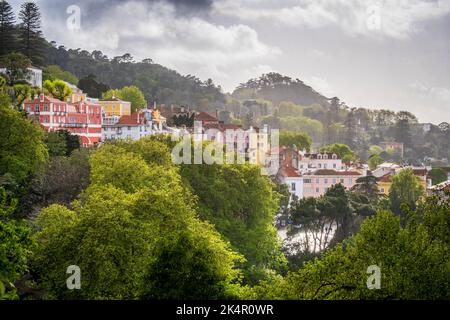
(317, 190)
(307, 181)
(28, 109)
(317, 180)
(325, 165)
(350, 180)
(334, 165)
(334, 157)
(45, 107)
(341, 181)
(334, 181)
(129, 128)
(106, 128)
(319, 156)
(382, 190)
(320, 165)
(325, 156)
(293, 186)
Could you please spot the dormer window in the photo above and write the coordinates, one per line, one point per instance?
(325, 156)
(319, 156)
(334, 156)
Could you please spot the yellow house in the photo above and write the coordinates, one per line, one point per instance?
(384, 182)
(115, 107)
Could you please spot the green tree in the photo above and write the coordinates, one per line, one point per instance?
(374, 161)
(58, 89)
(92, 87)
(342, 150)
(54, 72)
(7, 30)
(30, 35)
(413, 260)
(438, 175)
(299, 139)
(131, 93)
(22, 150)
(15, 247)
(135, 235)
(406, 189)
(17, 66)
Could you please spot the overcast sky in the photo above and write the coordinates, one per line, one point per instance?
(370, 53)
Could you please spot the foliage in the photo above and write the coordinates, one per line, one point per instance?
(414, 261)
(128, 227)
(7, 30)
(54, 72)
(132, 94)
(374, 161)
(30, 35)
(343, 151)
(301, 140)
(17, 66)
(406, 188)
(15, 247)
(22, 150)
(438, 175)
(92, 87)
(58, 89)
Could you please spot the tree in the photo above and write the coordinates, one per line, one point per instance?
(30, 34)
(301, 140)
(54, 72)
(438, 175)
(17, 66)
(91, 87)
(22, 150)
(374, 161)
(367, 186)
(135, 235)
(342, 150)
(7, 30)
(132, 94)
(413, 259)
(15, 247)
(406, 189)
(58, 89)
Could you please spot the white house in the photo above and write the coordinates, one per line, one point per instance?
(292, 178)
(134, 126)
(34, 76)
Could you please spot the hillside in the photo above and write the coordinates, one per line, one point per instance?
(158, 83)
(276, 88)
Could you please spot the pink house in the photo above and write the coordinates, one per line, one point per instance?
(317, 183)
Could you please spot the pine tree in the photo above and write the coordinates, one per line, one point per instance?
(7, 30)
(31, 40)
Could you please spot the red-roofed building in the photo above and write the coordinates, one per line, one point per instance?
(83, 119)
(206, 118)
(293, 179)
(134, 126)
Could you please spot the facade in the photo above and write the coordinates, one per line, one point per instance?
(82, 118)
(308, 162)
(318, 183)
(34, 76)
(133, 127)
(294, 181)
(384, 182)
(115, 107)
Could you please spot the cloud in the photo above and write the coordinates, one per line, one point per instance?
(188, 43)
(397, 19)
(424, 91)
(320, 85)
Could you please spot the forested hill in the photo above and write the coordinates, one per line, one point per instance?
(277, 88)
(158, 83)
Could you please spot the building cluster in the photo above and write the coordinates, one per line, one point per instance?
(312, 174)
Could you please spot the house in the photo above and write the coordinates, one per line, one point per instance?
(440, 190)
(316, 184)
(308, 162)
(206, 118)
(384, 182)
(81, 118)
(134, 126)
(392, 145)
(294, 181)
(34, 77)
(115, 107)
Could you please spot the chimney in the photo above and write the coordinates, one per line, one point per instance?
(138, 118)
(41, 97)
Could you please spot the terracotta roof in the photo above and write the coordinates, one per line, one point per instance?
(329, 172)
(46, 99)
(290, 172)
(420, 172)
(132, 120)
(203, 116)
(385, 178)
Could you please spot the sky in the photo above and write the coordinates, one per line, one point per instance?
(392, 54)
